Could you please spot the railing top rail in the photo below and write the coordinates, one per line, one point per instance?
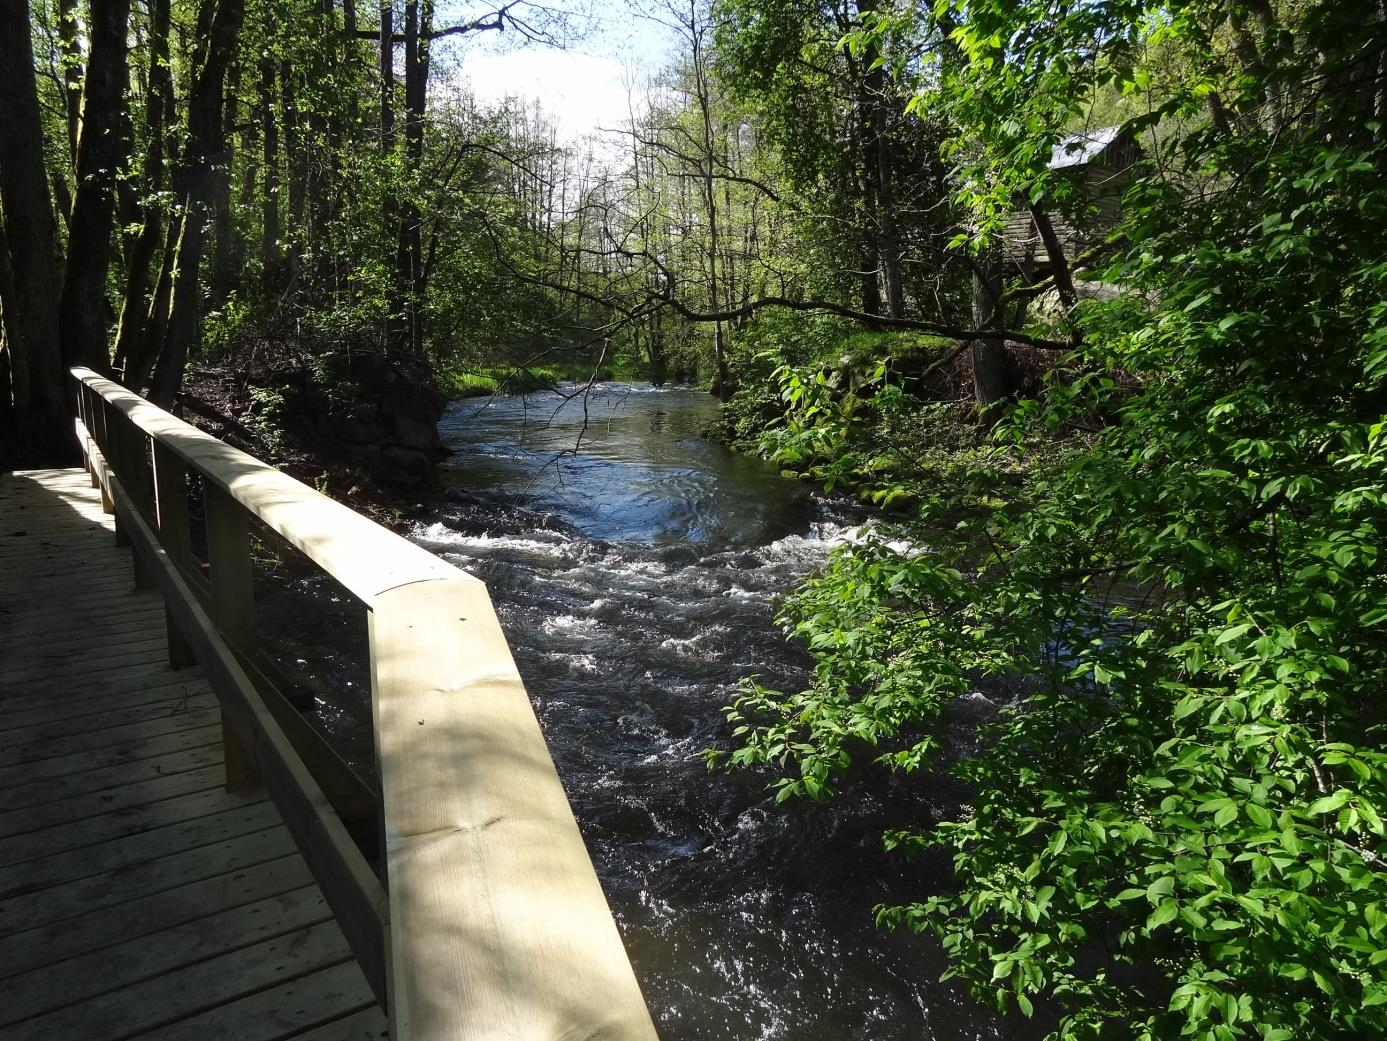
(366, 558)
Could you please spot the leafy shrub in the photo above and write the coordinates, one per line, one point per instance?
(1175, 820)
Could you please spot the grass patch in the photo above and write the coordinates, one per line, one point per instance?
(483, 380)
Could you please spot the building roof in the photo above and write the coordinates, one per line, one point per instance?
(1082, 148)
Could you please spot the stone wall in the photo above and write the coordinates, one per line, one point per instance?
(366, 411)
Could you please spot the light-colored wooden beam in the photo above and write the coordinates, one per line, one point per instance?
(359, 553)
(499, 927)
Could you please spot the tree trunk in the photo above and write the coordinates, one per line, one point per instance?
(7, 416)
(224, 262)
(145, 346)
(409, 255)
(878, 167)
(101, 148)
(993, 380)
(854, 184)
(270, 261)
(204, 150)
(387, 76)
(70, 50)
(722, 384)
(31, 312)
(296, 169)
(134, 309)
(1054, 250)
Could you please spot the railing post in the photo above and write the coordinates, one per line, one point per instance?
(118, 460)
(103, 442)
(171, 497)
(233, 610)
(134, 449)
(84, 413)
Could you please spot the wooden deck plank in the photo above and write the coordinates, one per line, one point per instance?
(103, 602)
(32, 542)
(112, 584)
(156, 876)
(111, 666)
(59, 653)
(114, 627)
(96, 804)
(48, 556)
(137, 896)
(44, 590)
(17, 520)
(108, 753)
(193, 990)
(38, 704)
(314, 1001)
(41, 873)
(125, 689)
(49, 564)
(57, 717)
(98, 972)
(108, 626)
(112, 738)
(17, 516)
(111, 620)
(114, 597)
(95, 830)
(367, 1025)
(109, 778)
(102, 927)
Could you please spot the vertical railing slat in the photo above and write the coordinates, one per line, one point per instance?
(171, 498)
(233, 610)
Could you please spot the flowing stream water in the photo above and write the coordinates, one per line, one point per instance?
(635, 566)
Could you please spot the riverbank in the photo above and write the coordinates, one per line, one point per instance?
(361, 428)
(475, 379)
(887, 417)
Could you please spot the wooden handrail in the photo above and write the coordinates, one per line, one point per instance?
(360, 554)
(497, 926)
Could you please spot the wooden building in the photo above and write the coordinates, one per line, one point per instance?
(1099, 162)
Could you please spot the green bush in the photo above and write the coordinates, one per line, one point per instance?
(1173, 825)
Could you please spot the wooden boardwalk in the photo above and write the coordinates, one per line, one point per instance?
(138, 899)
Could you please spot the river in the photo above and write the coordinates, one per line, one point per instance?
(635, 566)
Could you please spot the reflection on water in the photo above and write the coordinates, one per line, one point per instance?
(623, 461)
(634, 565)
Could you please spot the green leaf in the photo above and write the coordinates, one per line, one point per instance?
(1329, 803)
(1232, 633)
(1164, 912)
(1163, 886)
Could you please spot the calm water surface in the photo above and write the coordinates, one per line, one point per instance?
(635, 566)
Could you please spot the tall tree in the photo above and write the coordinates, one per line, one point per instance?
(70, 57)
(101, 150)
(159, 115)
(31, 308)
(219, 24)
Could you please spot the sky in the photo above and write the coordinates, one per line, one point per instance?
(584, 86)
